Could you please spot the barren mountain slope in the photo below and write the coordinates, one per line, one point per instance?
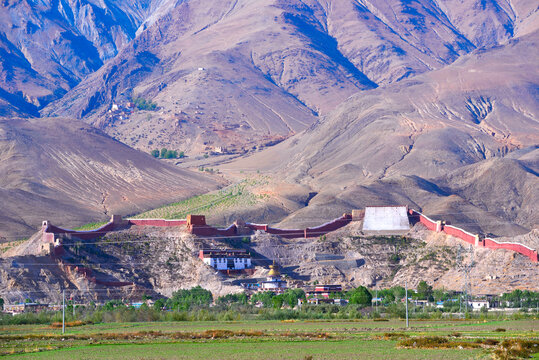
(238, 73)
(480, 107)
(57, 43)
(71, 173)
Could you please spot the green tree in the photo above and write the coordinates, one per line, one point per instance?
(291, 296)
(424, 291)
(159, 304)
(155, 153)
(1, 303)
(440, 295)
(143, 104)
(171, 154)
(186, 299)
(360, 295)
(387, 296)
(277, 301)
(399, 292)
(263, 297)
(163, 152)
(238, 298)
(181, 155)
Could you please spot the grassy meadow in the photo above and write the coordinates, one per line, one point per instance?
(335, 339)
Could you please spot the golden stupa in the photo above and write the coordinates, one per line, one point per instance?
(274, 270)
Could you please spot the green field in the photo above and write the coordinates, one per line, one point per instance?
(366, 339)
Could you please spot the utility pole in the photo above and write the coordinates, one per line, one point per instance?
(376, 300)
(63, 311)
(459, 266)
(406, 299)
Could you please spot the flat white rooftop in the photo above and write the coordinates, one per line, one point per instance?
(386, 218)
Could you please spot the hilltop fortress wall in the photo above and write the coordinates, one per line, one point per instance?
(196, 225)
(441, 226)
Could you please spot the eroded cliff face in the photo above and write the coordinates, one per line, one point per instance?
(149, 260)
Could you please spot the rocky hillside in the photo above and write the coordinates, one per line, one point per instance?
(47, 47)
(155, 260)
(71, 173)
(352, 258)
(160, 261)
(427, 103)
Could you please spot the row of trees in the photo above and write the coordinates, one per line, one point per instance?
(167, 154)
(199, 304)
(519, 298)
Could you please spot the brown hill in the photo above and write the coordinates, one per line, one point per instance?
(71, 173)
(394, 144)
(166, 261)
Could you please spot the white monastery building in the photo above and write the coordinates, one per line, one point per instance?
(226, 259)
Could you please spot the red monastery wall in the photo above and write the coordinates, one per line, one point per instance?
(462, 234)
(157, 222)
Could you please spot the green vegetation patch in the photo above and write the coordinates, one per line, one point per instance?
(247, 348)
(91, 226)
(234, 196)
(144, 104)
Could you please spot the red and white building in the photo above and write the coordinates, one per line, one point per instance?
(322, 294)
(226, 259)
(324, 291)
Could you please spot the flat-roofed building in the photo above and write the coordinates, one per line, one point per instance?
(324, 291)
(229, 259)
(386, 219)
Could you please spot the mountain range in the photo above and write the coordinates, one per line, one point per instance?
(380, 102)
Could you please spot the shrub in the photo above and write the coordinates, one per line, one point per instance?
(395, 336)
(516, 349)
